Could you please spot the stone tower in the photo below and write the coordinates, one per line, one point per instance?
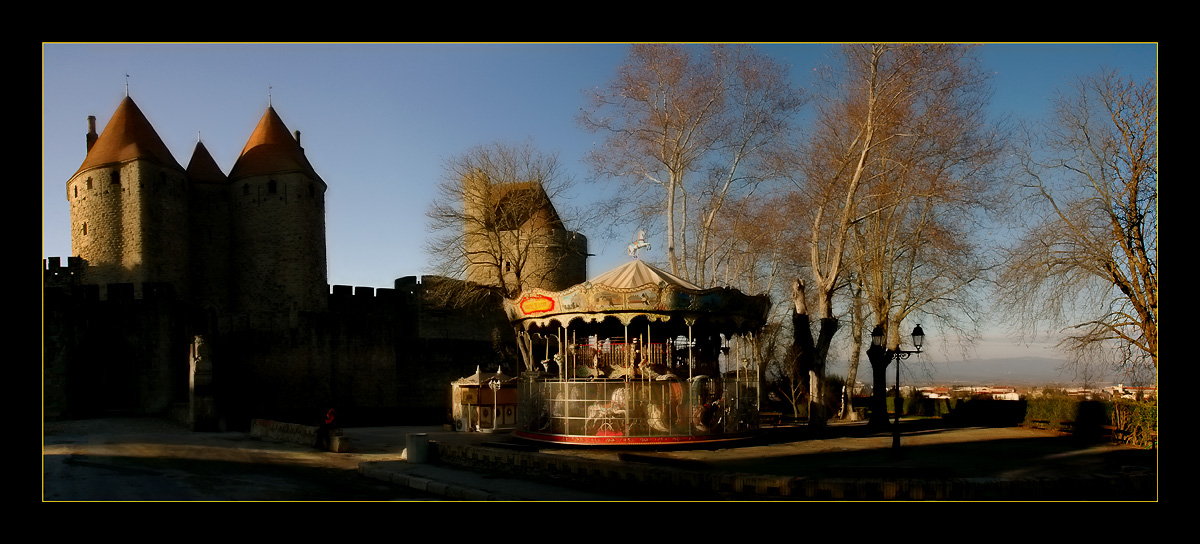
(129, 206)
(277, 206)
(209, 223)
(515, 229)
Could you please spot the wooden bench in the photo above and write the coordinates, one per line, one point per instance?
(1112, 434)
(1041, 424)
(1066, 426)
(769, 418)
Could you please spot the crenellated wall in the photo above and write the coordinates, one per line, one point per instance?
(375, 355)
(124, 353)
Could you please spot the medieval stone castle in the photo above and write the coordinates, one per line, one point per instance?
(204, 295)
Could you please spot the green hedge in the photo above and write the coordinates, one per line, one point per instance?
(1138, 419)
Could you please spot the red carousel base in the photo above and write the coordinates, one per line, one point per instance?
(620, 440)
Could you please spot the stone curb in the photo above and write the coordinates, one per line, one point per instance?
(628, 476)
(433, 487)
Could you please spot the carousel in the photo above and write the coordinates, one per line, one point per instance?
(637, 356)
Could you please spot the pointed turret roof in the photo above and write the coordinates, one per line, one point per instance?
(128, 136)
(203, 168)
(271, 149)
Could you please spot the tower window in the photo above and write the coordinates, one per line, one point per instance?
(76, 187)
(246, 190)
(89, 183)
(311, 191)
(271, 187)
(115, 177)
(85, 229)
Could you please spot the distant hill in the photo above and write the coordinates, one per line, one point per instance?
(1007, 371)
(1004, 371)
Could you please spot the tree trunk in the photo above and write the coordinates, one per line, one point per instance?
(879, 359)
(809, 363)
(818, 413)
(670, 215)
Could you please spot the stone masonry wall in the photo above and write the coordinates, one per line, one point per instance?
(131, 231)
(210, 245)
(279, 260)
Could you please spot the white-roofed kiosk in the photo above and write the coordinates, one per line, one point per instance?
(638, 356)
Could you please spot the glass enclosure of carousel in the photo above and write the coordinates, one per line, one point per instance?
(638, 356)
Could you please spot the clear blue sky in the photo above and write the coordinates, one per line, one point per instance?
(377, 121)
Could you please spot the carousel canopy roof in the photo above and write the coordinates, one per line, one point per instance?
(637, 273)
(632, 290)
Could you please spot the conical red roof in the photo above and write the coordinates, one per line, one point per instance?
(271, 149)
(128, 136)
(203, 168)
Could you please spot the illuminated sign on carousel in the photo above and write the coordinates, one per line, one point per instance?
(536, 304)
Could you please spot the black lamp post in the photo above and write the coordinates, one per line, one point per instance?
(918, 339)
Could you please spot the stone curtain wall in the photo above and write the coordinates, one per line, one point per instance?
(376, 356)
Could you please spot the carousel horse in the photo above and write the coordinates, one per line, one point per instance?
(656, 419)
(601, 414)
(639, 244)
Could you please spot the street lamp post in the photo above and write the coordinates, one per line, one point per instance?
(877, 340)
(494, 385)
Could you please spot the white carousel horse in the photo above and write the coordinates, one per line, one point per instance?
(639, 244)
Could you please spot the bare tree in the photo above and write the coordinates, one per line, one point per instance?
(897, 139)
(493, 219)
(686, 129)
(1088, 261)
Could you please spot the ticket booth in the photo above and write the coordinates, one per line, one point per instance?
(484, 402)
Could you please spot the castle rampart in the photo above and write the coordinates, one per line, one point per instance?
(168, 260)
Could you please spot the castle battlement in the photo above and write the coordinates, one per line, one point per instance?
(54, 274)
(171, 259)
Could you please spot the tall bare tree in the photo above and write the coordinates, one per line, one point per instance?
(685, 125)
(1088, 261)
(897, 138)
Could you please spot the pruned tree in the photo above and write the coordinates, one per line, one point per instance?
(898, 148)
(685, 127)
(1087, 263)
